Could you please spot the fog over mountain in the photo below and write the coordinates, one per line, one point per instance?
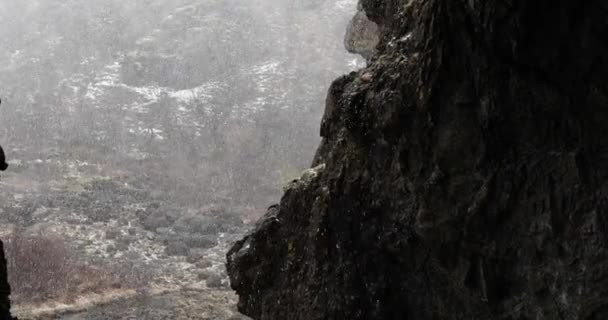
(145, 135)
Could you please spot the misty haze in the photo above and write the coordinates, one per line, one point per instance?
(145, 136)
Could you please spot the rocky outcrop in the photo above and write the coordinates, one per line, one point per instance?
(462, 174)
(361, 36)
(5, 289)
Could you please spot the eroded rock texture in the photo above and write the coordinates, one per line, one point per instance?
(361, 36)
(462, 174)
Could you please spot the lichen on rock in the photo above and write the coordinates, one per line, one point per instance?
(305, 178)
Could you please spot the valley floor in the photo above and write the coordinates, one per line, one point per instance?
(128, 253)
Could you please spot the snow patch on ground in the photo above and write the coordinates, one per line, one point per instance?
(200, 93)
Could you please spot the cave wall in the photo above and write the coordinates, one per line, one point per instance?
(462, 174)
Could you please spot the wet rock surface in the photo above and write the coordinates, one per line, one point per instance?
(464, 175)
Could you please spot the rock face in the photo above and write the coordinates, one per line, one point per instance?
(5, 288)
(464, 174)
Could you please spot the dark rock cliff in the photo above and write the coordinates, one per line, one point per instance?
(5, 289)
(462, 174)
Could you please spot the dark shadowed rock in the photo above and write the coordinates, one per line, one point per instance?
(462, 174)
(3, 164)
(5, 288)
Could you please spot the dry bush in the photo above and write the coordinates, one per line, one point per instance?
(38, 267)
(43, 268)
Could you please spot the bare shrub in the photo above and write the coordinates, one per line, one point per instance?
(43, 268)
(38, 267)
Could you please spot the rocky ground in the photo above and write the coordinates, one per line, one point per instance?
(171, 255)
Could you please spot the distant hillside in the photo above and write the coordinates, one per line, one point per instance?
(225, 91)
